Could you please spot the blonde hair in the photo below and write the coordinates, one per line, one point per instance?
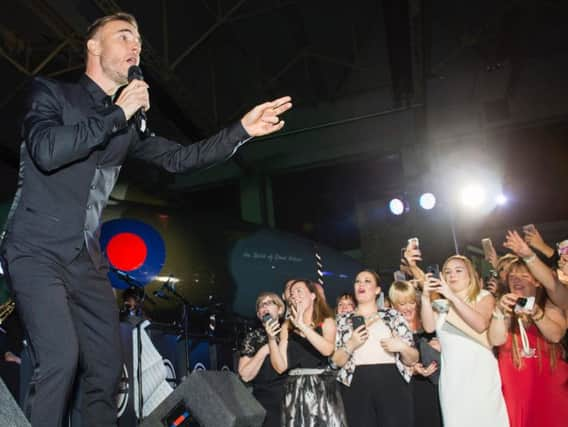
(474, 286)
(504, 262)
(401, 292)
(275, 298)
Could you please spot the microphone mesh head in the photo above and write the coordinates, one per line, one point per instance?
(135, 73)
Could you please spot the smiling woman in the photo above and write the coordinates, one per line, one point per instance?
(374, 349)
(311, 394)
(469, 373)
(534, 376)
(426, 372)
(254, 363)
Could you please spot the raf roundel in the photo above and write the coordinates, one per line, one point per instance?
(135, 251)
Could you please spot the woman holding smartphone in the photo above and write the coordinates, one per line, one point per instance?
(375, 351)
(311, 394)
(254, 363)
(526, 327)
(424, 382)
(469, 384)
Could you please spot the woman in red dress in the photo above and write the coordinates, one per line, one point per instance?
(533, 372)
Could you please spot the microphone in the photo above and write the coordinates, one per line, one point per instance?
(135, 73)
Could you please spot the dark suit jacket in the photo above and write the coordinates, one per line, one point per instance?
(75, 141)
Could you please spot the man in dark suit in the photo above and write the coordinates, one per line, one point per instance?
(75, 140)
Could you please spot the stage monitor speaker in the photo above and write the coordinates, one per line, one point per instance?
(212, 399)
(10, 413)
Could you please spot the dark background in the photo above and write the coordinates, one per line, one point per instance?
(391, 98)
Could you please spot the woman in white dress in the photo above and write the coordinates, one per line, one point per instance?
(469, 385)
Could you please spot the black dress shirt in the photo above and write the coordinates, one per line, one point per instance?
(74, 144)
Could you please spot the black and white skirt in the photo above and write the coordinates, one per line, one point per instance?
(312, 398)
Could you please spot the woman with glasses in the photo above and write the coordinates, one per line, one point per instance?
(254, 363)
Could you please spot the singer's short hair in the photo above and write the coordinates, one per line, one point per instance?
(103, 20)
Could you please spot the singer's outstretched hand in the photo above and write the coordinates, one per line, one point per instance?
(133, 97)
(264, 118)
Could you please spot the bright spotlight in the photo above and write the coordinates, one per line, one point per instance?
(501, 199)
(473, 196)
(396, 206)
(427, 201)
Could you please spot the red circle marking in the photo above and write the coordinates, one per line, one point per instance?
(126, 251)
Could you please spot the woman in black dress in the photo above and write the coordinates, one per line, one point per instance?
(311, 396)
(254, 363)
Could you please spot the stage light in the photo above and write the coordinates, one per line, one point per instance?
(396, 206)
(501, 199)
(427, 201)
(472, 196)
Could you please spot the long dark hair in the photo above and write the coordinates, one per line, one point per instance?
(321, 310)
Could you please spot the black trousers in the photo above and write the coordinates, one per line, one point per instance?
(71, 320)
(378, 397)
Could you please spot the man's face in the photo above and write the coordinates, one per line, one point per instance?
(118, 46)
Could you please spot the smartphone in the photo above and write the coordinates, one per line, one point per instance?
(399, 276)
(529, 228)
(434, 270)
(487, 246)
(357, 321)
(414, 243)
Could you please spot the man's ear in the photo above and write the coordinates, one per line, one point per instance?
(94, 47)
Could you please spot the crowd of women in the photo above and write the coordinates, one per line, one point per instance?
(442, 349)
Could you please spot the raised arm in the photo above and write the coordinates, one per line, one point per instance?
(556, 291)
(427, 314)
(477, 316)
(550, 321)
(262, 120)
(324, 343)
(278, 348)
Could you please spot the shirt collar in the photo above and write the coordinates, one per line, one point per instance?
(97, 94)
